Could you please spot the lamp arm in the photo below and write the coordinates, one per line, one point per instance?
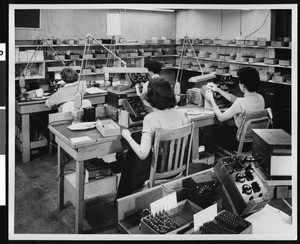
(44, 39)
(122, 61)
(82, 61)
(189, 40)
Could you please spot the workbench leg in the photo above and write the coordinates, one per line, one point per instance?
(195, 154)
(26, 138)
(79, 208)
(61, 176)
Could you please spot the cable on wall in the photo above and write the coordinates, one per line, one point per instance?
(260, 26)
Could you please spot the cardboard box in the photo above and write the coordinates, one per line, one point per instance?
(88, 56)
(123, 55)
(240, 42)
(108, 127)
(270, 61)
(242, 59)
(256, 60)
(203, 55)
(285, 62)
(271, 53)
(250, 43)
(279, 78)
(69, 41)
(263, 43)
(182, 215)
(99, 55)
(133, 54)
(72, 56)
(168, 65)
(214, 55)
(57, 41)
(207, 41)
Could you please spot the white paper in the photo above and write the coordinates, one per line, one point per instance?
(204, 216)
(166, 203)
(94, 90)
(113, 25)
(270, 220)
(80, 139)
(209, 112)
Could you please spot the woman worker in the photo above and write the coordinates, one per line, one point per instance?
(252, 101)
(154, 69)
(67, 90)
(137, 161)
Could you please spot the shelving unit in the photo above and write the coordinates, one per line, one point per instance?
(136, 54)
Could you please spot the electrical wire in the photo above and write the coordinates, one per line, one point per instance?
(260, 26)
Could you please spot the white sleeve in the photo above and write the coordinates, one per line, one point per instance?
(143, 149)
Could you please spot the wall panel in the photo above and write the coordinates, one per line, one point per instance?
(65, 23)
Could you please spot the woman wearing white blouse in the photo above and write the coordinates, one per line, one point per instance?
(137, 162)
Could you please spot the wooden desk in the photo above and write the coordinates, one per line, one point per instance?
(97, 147)
(27, 108)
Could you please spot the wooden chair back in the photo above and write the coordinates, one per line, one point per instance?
(171, 153)
(252, 120)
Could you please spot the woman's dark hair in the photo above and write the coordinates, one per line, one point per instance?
(249, 77)
(153, 66)
(69, 75)
(160, 94)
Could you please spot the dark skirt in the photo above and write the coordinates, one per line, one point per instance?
(226, 138)
(135, 172)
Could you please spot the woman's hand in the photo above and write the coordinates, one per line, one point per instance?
(126, 134)
(209, 95)
(213, 87)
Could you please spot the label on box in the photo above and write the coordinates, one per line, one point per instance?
(206, 215)
(166, 203)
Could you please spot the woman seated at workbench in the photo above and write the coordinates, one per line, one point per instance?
(252, 101)
(154, 69)
(137, 162)
(67, 89)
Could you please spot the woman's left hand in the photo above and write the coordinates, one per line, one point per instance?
(126, 134)
(209, 95)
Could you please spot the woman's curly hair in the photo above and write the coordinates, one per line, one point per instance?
(160, 94)
(249, 77)
(69, 75)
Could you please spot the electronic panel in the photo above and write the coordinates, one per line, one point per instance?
(241, 183)
(135, 107)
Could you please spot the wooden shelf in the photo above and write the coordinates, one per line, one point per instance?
(60, 68)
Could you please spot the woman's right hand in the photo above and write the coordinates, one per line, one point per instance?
(126, 134)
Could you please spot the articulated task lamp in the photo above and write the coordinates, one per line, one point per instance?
(106, 70)
(199, 78)
(27, 70)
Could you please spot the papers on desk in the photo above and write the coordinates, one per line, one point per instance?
(94, 90)
(75, 140)
(82, 126)
(190, 111)
(270, 220)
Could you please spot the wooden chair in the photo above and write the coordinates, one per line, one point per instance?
(171, 154)
(251, 120)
